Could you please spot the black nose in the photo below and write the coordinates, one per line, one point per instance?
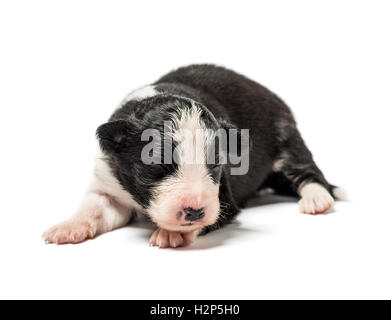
(193, 214)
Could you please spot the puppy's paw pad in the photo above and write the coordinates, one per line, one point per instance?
(316, 203)
(166, 239)
(71, 231)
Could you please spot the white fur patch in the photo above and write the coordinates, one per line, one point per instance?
(104, 182)
(140, 94)
(314, 198)
(192, 136)
(340, 194)
(277, 165)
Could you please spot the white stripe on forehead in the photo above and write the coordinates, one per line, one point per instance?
(191, 135)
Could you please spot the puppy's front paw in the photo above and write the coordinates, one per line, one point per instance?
(166, 239)
(316, 203)
(314, 199)
(70, 231)
(171, 239)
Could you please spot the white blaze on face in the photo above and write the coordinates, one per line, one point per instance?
(192, 137)
(192, 185)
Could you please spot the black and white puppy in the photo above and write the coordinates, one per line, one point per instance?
(180, 118)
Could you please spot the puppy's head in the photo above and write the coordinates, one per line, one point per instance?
(165, 154)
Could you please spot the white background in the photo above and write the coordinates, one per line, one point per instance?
(64, 66)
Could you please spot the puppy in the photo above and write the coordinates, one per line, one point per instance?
(157, 156)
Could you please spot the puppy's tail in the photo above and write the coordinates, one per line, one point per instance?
(339, 193)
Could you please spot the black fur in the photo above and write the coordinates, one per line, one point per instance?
(228, 99)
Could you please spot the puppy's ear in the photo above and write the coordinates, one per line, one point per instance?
(116, 136)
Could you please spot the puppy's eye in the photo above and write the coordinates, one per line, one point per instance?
(163, 169)
(215, 166)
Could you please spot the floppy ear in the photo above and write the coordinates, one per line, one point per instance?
(116, 136)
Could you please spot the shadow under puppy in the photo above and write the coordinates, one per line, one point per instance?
(180, 118)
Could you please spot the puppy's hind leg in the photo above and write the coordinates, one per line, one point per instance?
(98, 213)
(306, 179)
